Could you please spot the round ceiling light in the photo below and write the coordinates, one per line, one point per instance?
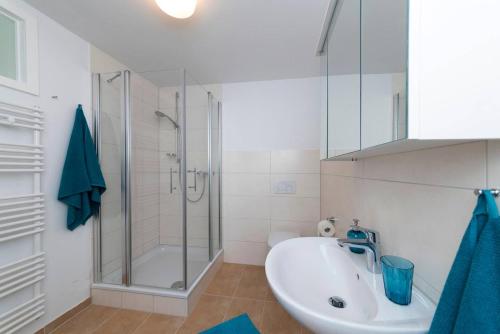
(180, 9)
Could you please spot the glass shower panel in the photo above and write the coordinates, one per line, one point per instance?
(197, 178)
(110, 153)
(215, 172)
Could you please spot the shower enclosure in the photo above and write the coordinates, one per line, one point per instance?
(158, 137)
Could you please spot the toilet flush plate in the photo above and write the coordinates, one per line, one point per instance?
(284, 187)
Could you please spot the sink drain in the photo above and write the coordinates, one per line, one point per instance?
(337, 302)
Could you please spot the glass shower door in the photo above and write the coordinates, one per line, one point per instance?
(197, 179)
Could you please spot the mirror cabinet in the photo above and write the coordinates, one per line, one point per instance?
(395, 77)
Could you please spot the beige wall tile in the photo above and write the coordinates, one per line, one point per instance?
(246, 207)
(245, 252)
(420, 202)
(305, 229)
(494, 164)
(342, 168)
(137, 301)
(171, 306)
(457, 165)
(246, 184)
(249, 204)
(107, 297)
(295, 208)
(295, 161)
(246, 162)
(244, 229)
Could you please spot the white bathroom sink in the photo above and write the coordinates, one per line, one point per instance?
(305, 272)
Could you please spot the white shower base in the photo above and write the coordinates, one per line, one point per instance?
(155, 272)
(162, 266)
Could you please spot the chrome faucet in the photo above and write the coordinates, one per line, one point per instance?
(371, 245)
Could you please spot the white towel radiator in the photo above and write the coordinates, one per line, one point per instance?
(22, 209)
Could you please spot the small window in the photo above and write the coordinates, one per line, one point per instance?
(18, 48)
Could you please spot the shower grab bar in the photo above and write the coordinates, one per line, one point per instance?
(172, 188)
(195, 174)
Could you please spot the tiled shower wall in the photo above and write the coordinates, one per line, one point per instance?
(197, 157)
(420, 202)
(146, 166)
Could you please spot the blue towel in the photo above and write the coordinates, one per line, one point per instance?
(470, 302)
(82, 183)
(240, 325)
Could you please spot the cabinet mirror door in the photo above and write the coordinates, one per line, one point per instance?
(384, 60)
(343, 79)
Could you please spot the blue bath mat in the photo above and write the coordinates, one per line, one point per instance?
(240, 324)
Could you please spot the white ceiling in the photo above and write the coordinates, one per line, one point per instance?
(224, 41)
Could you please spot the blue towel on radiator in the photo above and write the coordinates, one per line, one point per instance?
(82, 183)
(470, 302)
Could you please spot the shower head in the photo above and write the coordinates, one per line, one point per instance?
(117, 75)
(163, 115)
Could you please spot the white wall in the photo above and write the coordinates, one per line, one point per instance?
(64, 72)
(420, 202)
(270, 134)
(272, 115)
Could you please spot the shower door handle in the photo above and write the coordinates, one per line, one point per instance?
(194, 171)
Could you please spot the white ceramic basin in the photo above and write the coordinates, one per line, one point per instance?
(305, 272)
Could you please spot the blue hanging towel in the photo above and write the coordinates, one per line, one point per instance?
(470, 302)
(82, 183)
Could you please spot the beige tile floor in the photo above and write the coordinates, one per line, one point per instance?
(236, 289)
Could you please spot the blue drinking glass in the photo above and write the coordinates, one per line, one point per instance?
(398, 278)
